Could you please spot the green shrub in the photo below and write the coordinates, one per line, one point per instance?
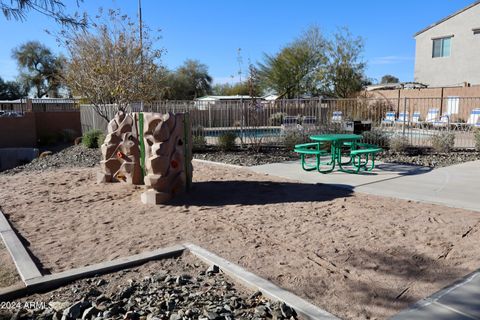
(198, 143)
(443, 142)
(398, 143)
(476, 136)
(276, 119)
(226, 141)
(292, 138)
(377, 137)
(93, 139)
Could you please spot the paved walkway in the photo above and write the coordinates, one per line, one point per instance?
(455, 186)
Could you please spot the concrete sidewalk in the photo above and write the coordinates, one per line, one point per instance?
(455, 186)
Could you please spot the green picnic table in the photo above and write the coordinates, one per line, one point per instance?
(337, 142)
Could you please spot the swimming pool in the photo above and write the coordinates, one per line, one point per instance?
(244, 132)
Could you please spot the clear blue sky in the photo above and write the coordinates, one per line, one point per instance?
(212, 30)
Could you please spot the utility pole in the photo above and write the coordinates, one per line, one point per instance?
(240, 62)
(140, 28)
(140, 23)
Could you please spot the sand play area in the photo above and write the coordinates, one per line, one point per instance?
(357, 256)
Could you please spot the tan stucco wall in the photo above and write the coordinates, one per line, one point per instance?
(463, 64)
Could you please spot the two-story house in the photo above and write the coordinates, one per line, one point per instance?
(448, 52)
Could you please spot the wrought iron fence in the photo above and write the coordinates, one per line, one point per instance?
(275, 122)
(18, 108)
(13, 109)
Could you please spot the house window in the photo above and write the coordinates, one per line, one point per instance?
(441, 47)
(452, 105)
(476, 31)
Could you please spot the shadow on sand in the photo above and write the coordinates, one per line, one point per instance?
(220, 193)
(409, 268)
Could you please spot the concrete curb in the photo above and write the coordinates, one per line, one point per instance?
(58, 279)
(220, 164)
(52, 281)
(26, 268)
(304, 308)
(445, 300)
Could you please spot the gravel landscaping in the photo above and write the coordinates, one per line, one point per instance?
(430, 159)
(70, 157)
(419, 157)
(79, 156)
(174, 289)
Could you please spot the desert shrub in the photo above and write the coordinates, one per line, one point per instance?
(443, 142)
(197, 130)
(476, 136)
(291, 138)
(198, 138)
(101, 139)
(398, 143)
(198, 143)
(276, 119)
(93, 139)
(377, 137)
(226, 141)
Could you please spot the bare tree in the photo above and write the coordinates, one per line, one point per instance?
(17, 9)
(255, 110)
(108, 65)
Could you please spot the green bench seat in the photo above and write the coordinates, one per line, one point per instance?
(313, 148)
(365, 151)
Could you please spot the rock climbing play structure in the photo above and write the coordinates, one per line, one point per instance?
(149, 148)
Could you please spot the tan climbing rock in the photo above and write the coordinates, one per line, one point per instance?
(168, 154)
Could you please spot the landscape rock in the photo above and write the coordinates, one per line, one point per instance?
(77, 156)
(59, 306)
(75, 310)
(213, 269)
(185, 295)
(422, 157)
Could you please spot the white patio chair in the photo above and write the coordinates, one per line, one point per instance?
(474, 119)
(432, 116)
(389, 118)
(402, 118)
(337, 116)
(443, 122)
(416, 119)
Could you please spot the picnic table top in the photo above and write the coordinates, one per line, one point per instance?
(335, 137)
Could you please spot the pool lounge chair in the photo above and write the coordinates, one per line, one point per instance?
(389, 118)
(402, 118)
(337, 116)
(309, 123)
(289, 123)
(416, 122)
(432, 116)
(443, 122)
(474, 119)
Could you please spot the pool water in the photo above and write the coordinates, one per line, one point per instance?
(245, 133)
